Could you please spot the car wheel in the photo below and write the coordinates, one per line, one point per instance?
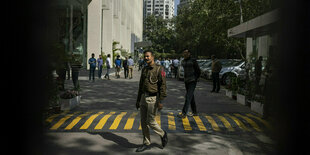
(227, 78)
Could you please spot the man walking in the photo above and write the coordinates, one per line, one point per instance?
(216, 68)
(152, 90)
(191, 75)
(130, 66)
(175, 63)
(118, 66)
(92, 63)
(125, 65)
(108, 64)
(100, 63)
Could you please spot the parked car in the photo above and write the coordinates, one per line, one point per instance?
(204, 69)
(201, 62)
(234, 69)
(207, 71)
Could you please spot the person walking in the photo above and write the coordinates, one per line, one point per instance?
(130, 66)
(92, 63)
(108, 64)
(175, 66)
(125, 65)
(152, 90)
(216, 67)
(100, 65)
(118, 66)
(141, 62)
(191, 76)
(167, 65)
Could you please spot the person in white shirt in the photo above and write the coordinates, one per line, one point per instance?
(167, 66)
(175, 67)
(108, 64)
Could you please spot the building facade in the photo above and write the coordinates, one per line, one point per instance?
(114, 21)
(163, 8)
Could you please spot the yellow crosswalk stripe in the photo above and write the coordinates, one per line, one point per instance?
(213, 123)
(130, 121)
(253, 124)
(225, 122)
(171, 122)
(103, 120)
(117, 120)
(76, 120)
(199, 123)
(140, 128)
(157, 119)
(261, 120)
(90, 120)
(186, 124)
(238, 122)
(61, 121)
(51, 118)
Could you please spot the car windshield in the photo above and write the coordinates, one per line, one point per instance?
(207, 64)
(232, 63)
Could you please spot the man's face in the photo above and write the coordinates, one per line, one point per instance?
(186, 54)
(148, 57)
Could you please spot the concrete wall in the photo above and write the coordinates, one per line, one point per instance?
(94, 29)
(114, 20)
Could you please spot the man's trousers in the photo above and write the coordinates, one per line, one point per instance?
(148, 110)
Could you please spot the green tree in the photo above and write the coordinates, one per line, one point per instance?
(161, 33)
(202, 27)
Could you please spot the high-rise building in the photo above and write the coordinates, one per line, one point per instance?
(163, 8)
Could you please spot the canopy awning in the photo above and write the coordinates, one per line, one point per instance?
(258, 26)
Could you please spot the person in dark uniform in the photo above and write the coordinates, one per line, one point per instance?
(216, 69)
(191, 75)
(152, 90)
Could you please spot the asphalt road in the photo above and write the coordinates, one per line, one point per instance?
(106, 122)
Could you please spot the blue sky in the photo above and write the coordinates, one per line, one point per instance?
(176, 2)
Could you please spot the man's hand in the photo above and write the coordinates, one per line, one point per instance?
(137, 105)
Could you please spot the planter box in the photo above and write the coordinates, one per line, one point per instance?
(229, 93)
(68, 104)
(241, 99)
(257, 107)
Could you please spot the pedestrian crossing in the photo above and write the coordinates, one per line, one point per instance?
(124, 121)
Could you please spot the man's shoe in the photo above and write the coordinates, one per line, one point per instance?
(212, 91)
(164, 139)
(143, 148)
(181, 115)
(189, 114)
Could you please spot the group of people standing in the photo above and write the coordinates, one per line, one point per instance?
(170, 65)
(127, 64)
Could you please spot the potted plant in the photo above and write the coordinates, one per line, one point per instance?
(241, 91)
(76, 65)
(257, 104)
(69, 99)
(228, 90)
(234, 87)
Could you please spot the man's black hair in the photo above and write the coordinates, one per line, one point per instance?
(109, 55)
(149, 51)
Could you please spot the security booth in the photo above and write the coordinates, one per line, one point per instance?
(260, 37)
